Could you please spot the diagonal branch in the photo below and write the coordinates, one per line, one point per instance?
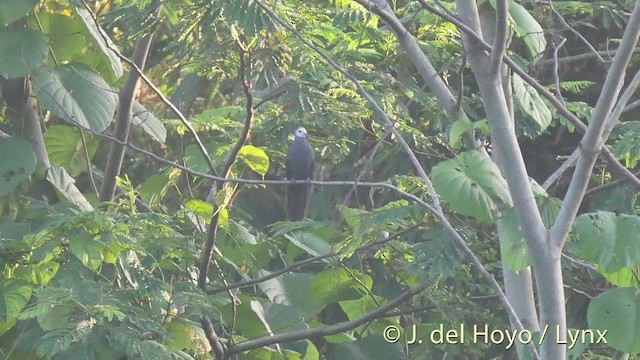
(157, 91)
(323, 331)
(123, 122)
(593, 142)
(562, 110)
(229, 161)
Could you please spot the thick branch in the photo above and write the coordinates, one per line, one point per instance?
(229, 161)
(500, 40)
(426, 70)
(123, 123)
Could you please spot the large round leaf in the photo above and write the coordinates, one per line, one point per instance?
(76, 94)
(255, 158)
(102, 39)
(65, 148)
(66, 37)
(17, 163)
(617, 311)
(609, 240)
(472, 185)
(22, 51)
(66, 187)
(14, 294)
(12, 10)
(528, 28)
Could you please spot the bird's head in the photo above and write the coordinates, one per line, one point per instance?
(301, 132)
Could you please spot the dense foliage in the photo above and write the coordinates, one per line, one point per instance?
(88, 279)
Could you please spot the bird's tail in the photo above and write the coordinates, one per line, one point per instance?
(297, 201)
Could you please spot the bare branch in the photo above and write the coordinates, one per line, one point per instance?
(500, 40)
(323, 331)
(559, 171)
(580, 57)
(123, 123)
(621, 105)
(576, 33)
(592, 142)
(426, 70)
(562, 110)
(229, 161)
(212, 337)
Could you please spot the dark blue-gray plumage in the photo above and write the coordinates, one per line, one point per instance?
(299, 163)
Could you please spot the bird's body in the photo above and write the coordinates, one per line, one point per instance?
(299, 165)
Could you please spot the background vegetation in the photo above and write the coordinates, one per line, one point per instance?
(144, 218)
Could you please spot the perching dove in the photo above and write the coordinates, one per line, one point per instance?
(299, 162)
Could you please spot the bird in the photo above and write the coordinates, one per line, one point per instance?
(299, 165)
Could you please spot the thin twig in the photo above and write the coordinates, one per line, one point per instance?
(571, 160)
(594, 52)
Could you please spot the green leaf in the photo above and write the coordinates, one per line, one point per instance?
(17, 163)
(278, 318)
(617, 311)
(21, 51)
(626, 146)
(333, 285)
(57, 317)
(529, 29)
(150, 124)
(66, 187)
(102, 39)
(532, 104)
(66, 38)
(472, 185)
(195, 160)
(87, 250)
(65, 148)
(155, 188)
(38, 274)
(14, 295)
(311, 352)
(255, 158)
(626, 277)
(311, 244)
(76, 94)
(609, 240)
(202, 209)
(297, 289)
(12, 10)
(458, 128)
